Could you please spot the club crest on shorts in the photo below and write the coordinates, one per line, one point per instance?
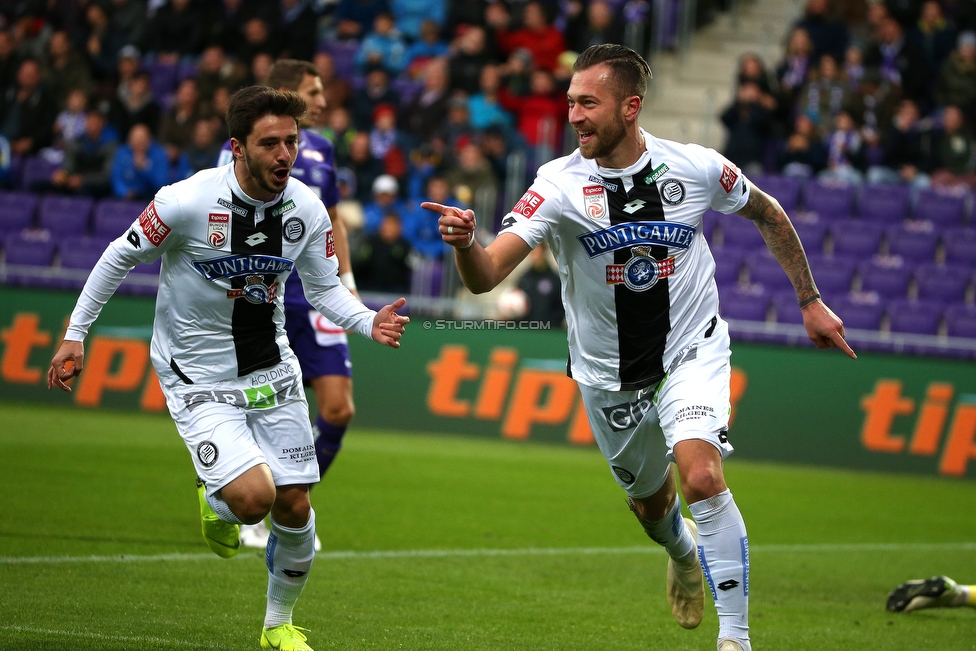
(623, 474)
(595, 202)
(641, 272)
(207, 453)
(217, 229)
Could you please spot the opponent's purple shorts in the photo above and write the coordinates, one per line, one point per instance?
(316, 360)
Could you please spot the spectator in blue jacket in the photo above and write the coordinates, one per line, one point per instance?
(410, 14)
(383, 46)
(141, 166)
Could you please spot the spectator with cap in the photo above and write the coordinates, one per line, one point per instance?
(957, 80)
(386, 192)
(384, 141)
(128, 64)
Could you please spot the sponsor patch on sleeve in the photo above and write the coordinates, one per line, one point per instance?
(528, 204)
(329, 244)
(152, 226)
(729, 177)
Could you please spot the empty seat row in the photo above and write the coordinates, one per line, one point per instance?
(884, 203)
(923, 317)
(66, 216)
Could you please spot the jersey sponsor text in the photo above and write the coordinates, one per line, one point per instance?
(621, 236)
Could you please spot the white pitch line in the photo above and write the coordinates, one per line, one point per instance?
(529, 551)
(113, 638)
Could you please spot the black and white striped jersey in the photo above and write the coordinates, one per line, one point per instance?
(225, 259)
(637, 275)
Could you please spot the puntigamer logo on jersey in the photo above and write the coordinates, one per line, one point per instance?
(622, 236)
(256, 289)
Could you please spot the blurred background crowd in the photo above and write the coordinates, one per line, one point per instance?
(879, 92)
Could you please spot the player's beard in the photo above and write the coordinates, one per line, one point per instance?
(605, 139)
(264, 176)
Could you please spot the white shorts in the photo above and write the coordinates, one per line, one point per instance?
(234, 425)
(637, 430)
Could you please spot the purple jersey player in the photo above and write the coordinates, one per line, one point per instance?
(321, 345)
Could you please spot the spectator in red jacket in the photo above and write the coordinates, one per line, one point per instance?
(536, 34)
(540, 115)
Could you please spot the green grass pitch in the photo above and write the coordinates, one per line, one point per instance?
(449, 543)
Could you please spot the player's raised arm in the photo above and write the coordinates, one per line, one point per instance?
(481, 268)
(824, 328)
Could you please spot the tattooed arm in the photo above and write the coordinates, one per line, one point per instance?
(825, 329)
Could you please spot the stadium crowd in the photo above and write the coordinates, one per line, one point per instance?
(881, 92)
(426, 98)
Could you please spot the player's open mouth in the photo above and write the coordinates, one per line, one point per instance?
(281, 174)
(584, 136)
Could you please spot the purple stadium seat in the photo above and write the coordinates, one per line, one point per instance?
(811, 235)
(344, 57)
(858, 315)
(17, 211)
(786, 308)
(939, 207)
(856, 237)
(961, 321)
(913, 244)
(943, 283)
(786, 189)
(728, 266)
(709, 219)
(766, 270)
(889, 281)
(426, 278)
(833, 274)
(885, 203)
(740, 232)
(114, 216)
(27, 251)
(743, 307)
(960, 246)
(830, 201)
(65, 216)
(915, 317)
(35, 169)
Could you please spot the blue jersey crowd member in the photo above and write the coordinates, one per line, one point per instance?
(321, 345)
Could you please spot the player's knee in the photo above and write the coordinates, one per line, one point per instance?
(339, 413)
(701, 482)
(254, 506)
(292, 509)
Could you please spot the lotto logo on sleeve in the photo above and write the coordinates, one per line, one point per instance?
(152, 226)
(329, 244)
(729, 177)
(528, 204)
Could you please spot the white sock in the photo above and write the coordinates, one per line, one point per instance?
(723, 551)
(289, 557)
(671, 533)
(222, 510)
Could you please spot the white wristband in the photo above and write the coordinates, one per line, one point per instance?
(348, 280)
(469, 244)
